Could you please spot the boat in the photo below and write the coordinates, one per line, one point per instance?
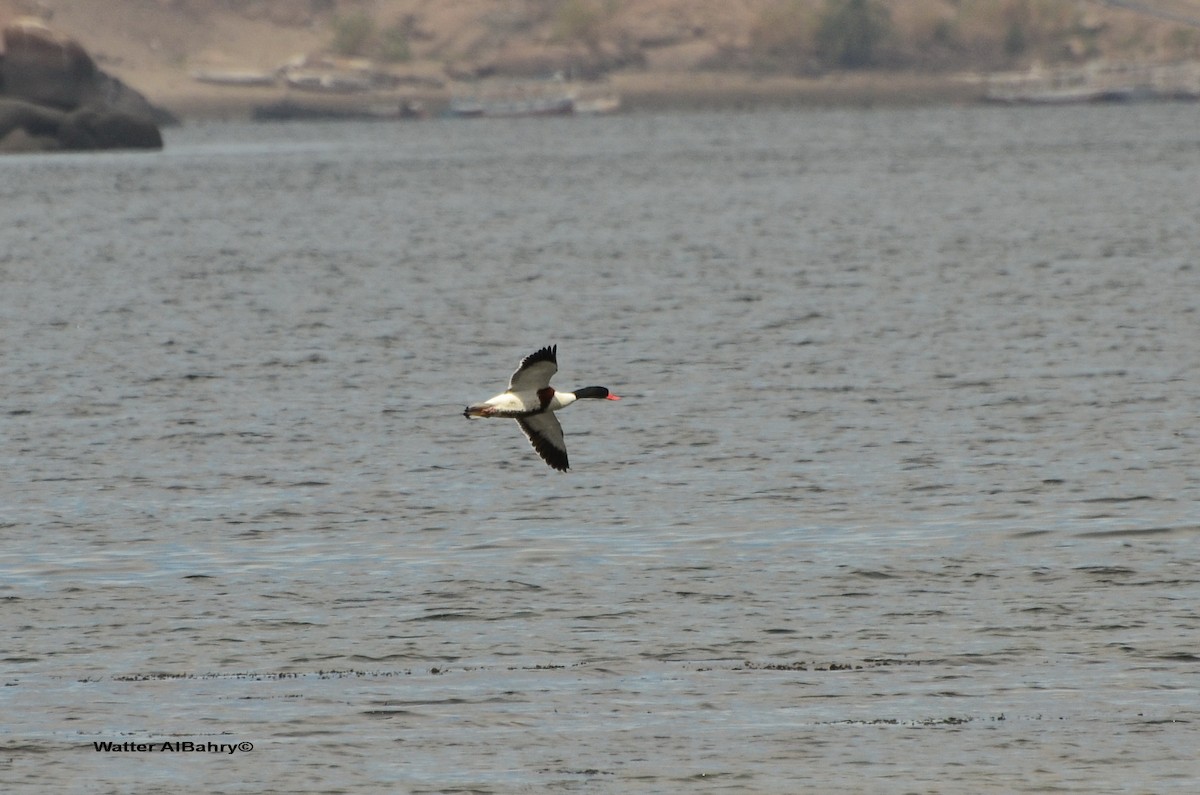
(531, 98)
(329, 81)
(1097, 82)
(591, 106)
(290, 110)
(236, 77)
(474, 107)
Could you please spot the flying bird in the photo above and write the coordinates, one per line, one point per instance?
(531, 401)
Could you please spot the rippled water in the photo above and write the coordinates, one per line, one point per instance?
(902, 497)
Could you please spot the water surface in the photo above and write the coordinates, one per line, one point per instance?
(902, 495)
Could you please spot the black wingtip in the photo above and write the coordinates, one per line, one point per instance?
(547, 354)
(553, 456)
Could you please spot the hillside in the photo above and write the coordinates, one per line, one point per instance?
(652, 50)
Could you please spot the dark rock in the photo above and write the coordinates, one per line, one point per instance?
(92, 128)
(18, 140)
(52, 96)
(45, 67)
(34, 119)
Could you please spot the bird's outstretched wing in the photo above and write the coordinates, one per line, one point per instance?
(546, 436)
(535, 371)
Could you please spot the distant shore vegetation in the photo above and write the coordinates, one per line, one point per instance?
(776, 36)
(357, 35)
(799, 36)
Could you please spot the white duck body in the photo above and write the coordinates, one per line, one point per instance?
(529, 391)
(531, 401)
(515, 405)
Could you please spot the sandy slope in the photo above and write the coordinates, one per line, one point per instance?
(154, 44)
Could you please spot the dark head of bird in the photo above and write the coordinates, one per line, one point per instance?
(598, 392)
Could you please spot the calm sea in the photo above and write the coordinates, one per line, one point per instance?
(903, 495)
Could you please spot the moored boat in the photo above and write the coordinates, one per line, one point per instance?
(531, 98)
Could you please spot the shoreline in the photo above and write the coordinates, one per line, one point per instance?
(191, 101)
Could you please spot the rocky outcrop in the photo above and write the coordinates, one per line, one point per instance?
(53, 97)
